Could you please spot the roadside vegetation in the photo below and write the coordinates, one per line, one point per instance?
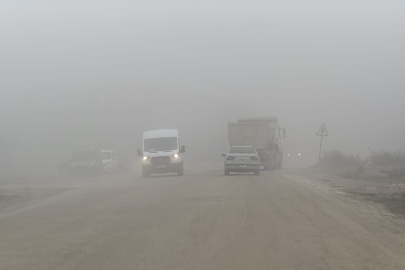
(381, 164)
(336, 158)
(389, 164)
(387, 158)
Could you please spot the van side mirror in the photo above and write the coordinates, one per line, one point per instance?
(139, 152)
(223, 155)
(183, 149)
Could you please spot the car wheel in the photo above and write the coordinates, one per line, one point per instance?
(226, 172)
(257, 172)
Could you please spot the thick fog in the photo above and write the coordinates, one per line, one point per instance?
(84, 74)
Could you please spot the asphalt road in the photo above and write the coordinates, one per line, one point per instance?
(203, 220)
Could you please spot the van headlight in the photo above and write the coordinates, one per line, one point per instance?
(176, 156)
(145, 158)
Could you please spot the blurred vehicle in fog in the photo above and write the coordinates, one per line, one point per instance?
(109, 160)
(92, 162)
(87, 162)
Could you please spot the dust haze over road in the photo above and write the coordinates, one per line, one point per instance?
(99, 73)
(75, 75)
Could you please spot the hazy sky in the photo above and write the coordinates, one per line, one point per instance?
(307, 62)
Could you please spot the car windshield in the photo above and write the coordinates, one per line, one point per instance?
(242, 150)
(84, 156)
(105, 155)
(160, 144)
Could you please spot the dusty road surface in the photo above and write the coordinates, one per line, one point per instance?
(204, 220)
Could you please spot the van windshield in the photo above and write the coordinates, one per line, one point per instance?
(160, 144)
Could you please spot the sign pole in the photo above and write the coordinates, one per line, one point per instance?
(320, 150)
(321, 132)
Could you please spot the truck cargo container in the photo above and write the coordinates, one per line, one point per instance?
(264, 134)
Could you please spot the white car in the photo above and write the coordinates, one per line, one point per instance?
(161, 152)
(242, 159)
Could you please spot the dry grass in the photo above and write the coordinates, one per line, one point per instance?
(343, 165)
(336, 158)
(392, 164)
(379, 165)
(387, 158)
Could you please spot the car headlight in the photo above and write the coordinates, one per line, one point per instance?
(145, 158)
(176, 156)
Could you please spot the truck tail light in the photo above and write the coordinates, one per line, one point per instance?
(254, 158)
(230, 158)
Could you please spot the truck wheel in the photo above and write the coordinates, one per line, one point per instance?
(180, 172)
(145, 173)
(226, 172)
(257, 172)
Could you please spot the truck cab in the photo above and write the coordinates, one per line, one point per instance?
(161, 152)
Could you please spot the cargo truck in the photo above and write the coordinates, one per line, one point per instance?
(264, 134)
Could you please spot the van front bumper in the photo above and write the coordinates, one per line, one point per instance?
(165, 164)
(166, 168)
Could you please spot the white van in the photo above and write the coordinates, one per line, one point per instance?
(109, 160)
(161, 152)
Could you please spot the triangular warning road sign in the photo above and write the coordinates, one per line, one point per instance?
(322, 131)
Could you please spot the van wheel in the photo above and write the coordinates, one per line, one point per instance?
(257, 172)
(226, 172)
(145, 173)
(180, 172)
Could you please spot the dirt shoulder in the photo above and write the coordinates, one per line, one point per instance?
(385, 191)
